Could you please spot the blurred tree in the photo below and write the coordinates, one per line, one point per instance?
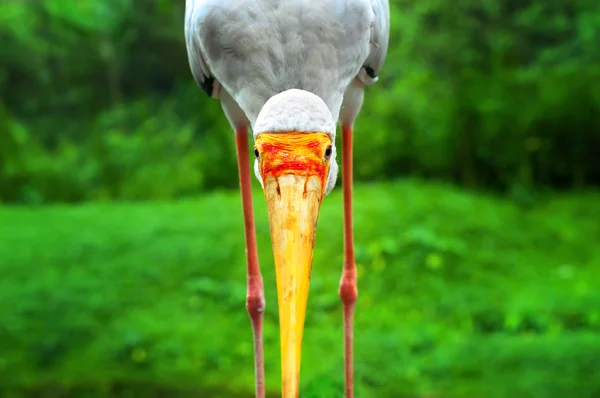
(98, 101)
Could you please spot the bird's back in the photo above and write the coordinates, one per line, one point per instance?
(258, 48)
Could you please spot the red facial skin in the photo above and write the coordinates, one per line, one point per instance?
(300, 154)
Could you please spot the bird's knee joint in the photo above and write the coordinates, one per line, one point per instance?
(255, 304)
(348, 291)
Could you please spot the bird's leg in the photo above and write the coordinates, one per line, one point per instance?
(255, 299)
(348, 289)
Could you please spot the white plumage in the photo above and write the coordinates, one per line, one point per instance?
(247, 51)
(254, 49)
(295, 110)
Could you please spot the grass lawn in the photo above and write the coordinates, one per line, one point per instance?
(460, 295)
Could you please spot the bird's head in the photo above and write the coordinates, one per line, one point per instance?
(296, 164)
(295, 132)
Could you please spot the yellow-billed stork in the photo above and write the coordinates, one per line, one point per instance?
(291, 69)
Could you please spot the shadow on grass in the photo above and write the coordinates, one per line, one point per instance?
(128, 389)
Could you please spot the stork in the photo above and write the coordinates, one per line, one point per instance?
(292, 69)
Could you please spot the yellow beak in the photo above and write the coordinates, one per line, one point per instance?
(293, 202)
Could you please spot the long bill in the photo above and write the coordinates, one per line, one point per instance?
(293, 203)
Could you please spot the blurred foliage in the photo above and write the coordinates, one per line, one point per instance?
(147, 300)
(98, 101)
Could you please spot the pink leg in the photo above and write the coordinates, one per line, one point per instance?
(255, 299)
(348, 289)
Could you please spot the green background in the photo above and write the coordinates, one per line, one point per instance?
(477, 211)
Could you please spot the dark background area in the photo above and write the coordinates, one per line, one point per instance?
(97, 101)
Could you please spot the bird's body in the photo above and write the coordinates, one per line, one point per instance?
(255, 49)
(291, 69)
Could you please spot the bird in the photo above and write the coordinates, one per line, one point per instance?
(292, 71)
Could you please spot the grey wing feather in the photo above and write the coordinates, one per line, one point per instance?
(197, 60)
(379, 41)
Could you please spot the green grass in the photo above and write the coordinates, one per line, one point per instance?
(461, 295)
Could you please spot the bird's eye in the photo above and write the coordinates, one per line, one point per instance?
(256, 152)
(328, 152)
